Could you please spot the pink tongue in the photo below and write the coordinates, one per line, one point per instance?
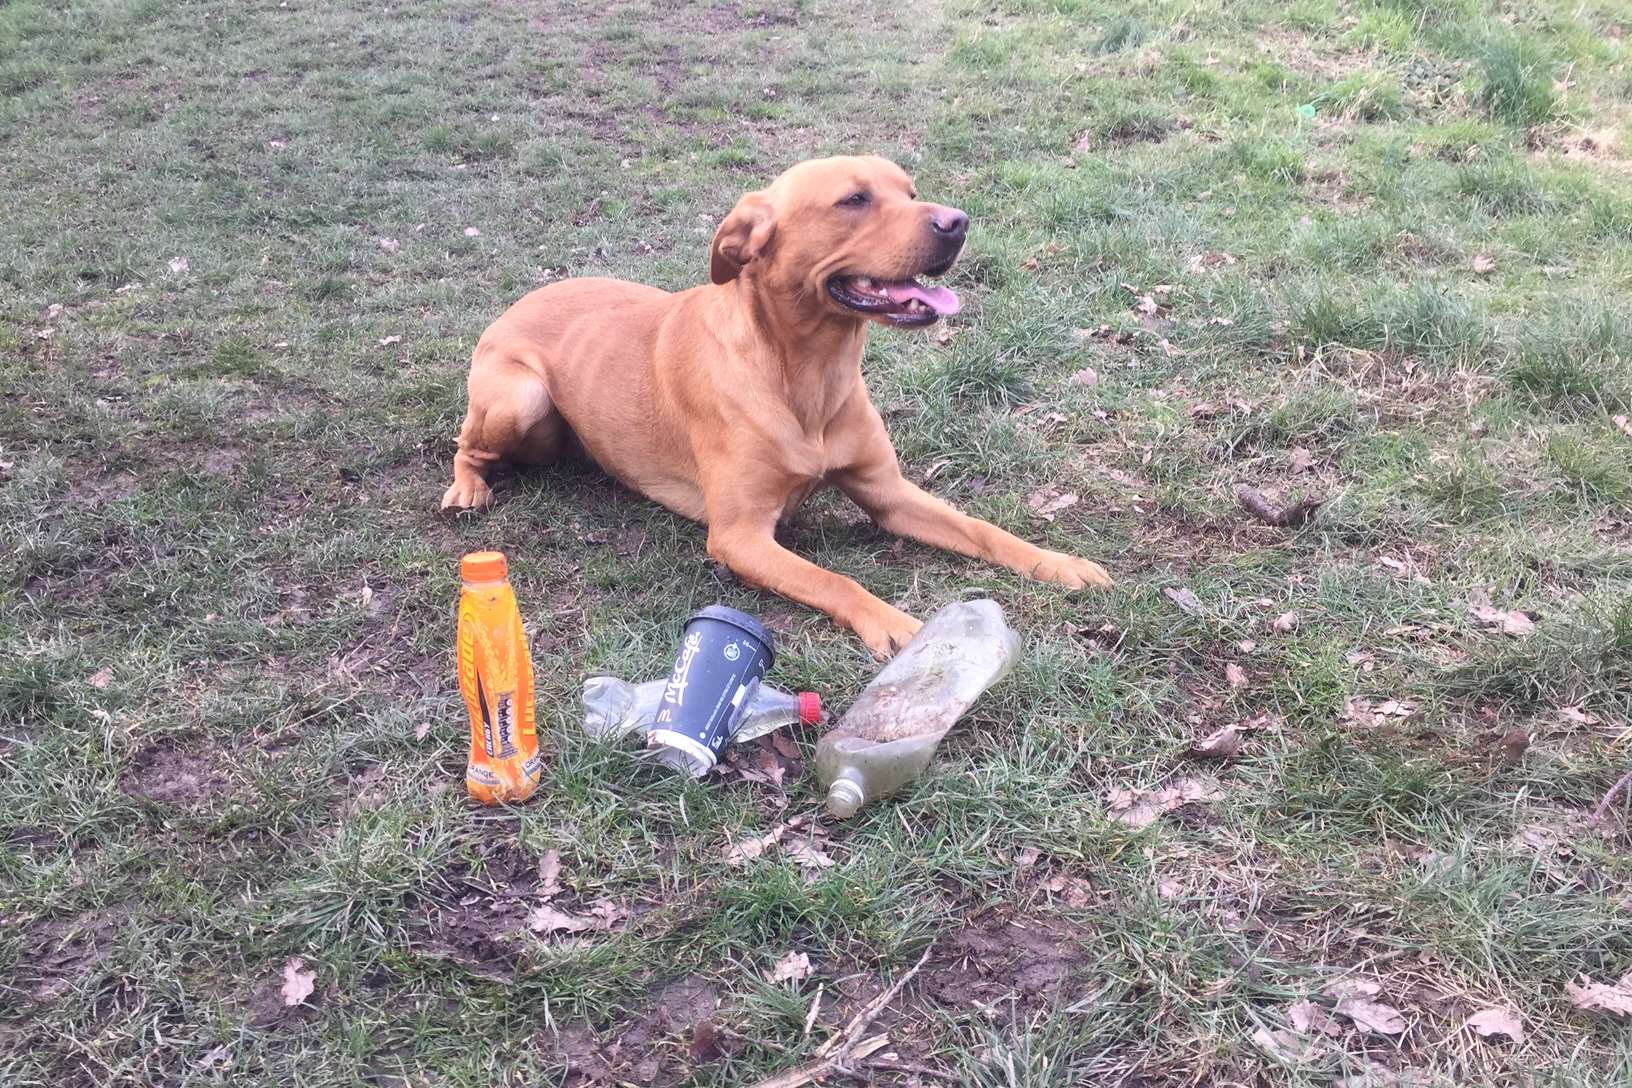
(942, 300)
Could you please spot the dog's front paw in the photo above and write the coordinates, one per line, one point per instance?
(467, 494)
(1071, 572)
(885, 630)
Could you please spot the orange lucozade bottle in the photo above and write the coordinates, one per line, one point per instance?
(496, 678)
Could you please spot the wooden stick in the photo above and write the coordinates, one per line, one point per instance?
(1299, 513)
(1609, 798)
(847, 1045)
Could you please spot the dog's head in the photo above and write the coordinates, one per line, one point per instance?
(846, 237)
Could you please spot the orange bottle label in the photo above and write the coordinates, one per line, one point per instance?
(496, 679)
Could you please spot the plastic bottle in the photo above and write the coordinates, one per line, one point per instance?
(889, 735)
(614, 708)
(496, 679)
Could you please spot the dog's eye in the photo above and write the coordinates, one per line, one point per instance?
(855, 200)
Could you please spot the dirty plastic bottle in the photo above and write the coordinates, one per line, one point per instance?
(614, 708)
(890, 733)
(496, 679)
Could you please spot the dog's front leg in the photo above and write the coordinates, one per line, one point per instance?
(903, 508)
(747, 544)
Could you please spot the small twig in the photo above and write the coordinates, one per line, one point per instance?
(914, 1067)
(1609, 798)
(815, 1007)
(750, 1040)
(1299, 513)
(848, 1044)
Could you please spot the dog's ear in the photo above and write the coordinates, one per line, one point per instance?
(744, 236)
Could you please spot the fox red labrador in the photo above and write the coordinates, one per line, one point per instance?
(732, 402)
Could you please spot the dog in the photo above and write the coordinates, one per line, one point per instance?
(731, 403)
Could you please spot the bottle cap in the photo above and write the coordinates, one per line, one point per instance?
(483, 567)
(844, 798)
(810, 708)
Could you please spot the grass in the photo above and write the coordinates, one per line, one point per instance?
(239, 288)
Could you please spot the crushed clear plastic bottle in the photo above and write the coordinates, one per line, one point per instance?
(889, 735)
(614, 708)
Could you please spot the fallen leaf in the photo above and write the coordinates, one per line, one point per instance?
(220, 1055)
(1302, 460)
(1045, 502)
(1353, 987)
(794, 967)
(1246, 645)
(1086, 376)
(53, 311)
(1140, 808)
(549, 874)
(298, 983)
(1235, 674)
(101, 678)
(1076, 892)
(1612, 998)
(1222, 743)
(472, 232)
(785, 746)
(1497, 1021)
(1625, 424)
(1371, 1016)
(390, 245)
(1308, 1017)
(1483, 264)
(1286, 1046)
(808, 855)
(422, 730)
(387, 341)
(607, 913)
(1577, 716)
(367, 594)
(747, 849)
(1510, 621)
(44, 334)
(1168, 888)
(1286, 621)
(705, 1041)
(1182, 597)
(547, 919)
(179, 264)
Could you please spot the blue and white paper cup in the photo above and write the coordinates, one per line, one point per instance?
(723, 656)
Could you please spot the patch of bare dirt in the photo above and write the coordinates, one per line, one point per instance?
(184, 773)
(57, 951)
(482, 908)
(661, 1047)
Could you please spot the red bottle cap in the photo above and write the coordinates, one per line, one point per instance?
(810, 708)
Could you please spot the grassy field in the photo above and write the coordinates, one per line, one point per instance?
(1373, 251)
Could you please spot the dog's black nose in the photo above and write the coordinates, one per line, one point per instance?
(949, 223)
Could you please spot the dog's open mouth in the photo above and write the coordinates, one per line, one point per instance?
(900, 302)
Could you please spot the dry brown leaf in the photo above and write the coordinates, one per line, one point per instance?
(179, 265)
(1576, 716)
(747, 849)
(422, 730)
(1308, 1017)
(1027, 857)
(1625, 424)
(547, 919)
(1140, 808)
(298, 982)
(1045, 502)
(1497, 1021)
(220, 1055)
(1483, 264)
(1087, 376)
(1076, 892)
(1286, 621)
(549, 874)
(101, 678)
(794, 967)
(1182, 597)
(1614, 998)
(472, 232)
(1235, 674)
(785, 746)
(390, 245)
(387, 341)
(808, 855)
(1222, 743)
(1371, 1016)
(1509, 621)
(1286, 1046)
(1302, 460)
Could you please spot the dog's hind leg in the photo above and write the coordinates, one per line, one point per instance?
(511, 418)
